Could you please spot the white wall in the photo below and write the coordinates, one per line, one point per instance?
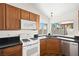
(76, 31)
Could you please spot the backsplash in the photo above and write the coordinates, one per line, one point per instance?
(27, 34)
(7, 33)
(21, 33)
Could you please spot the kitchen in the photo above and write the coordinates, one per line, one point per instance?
(26, 29)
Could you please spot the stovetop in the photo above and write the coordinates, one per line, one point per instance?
(25, 40)
(28, 41)
(33, 38)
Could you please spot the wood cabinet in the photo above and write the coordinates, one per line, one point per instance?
(51, 46)
(12, 17)
(38, 22)
(43, 47)
(25, 15)
(9, 17)
(12, 51)
(0, 52)
(2, 16)
(36, 18)
(32, 17)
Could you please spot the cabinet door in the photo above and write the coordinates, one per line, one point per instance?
(1, 52)
(38, 22)
(32, 17)
(24, 15)
(13, 51)
(12, 17)
(2, 16)
(42, 47)
(53, 47)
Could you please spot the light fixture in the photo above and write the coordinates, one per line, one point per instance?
(51, 14)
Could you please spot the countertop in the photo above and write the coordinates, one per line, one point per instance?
(9, 45)
(61, 37)
(65, 36)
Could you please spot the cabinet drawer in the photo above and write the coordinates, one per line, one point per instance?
(12, 51)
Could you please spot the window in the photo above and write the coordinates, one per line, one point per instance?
(43, 29)
(69, 25)
(57, 29)
(61, 29)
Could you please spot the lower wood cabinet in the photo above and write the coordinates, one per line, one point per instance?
(50, 47)
(0, 52)
(12, 51)
(43, 47)
(53, 46)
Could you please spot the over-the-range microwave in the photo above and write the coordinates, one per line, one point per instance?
(26, 24)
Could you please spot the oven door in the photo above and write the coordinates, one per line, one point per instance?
(32, 49)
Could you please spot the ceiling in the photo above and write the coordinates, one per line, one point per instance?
(58, 9)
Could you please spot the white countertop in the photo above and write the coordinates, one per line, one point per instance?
(66, 38)
(64, 35)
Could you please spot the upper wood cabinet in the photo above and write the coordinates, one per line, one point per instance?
(36, 18)
(32, 16)
(2, 16)
(38, 22)
(12, 17)
(9, 17)
(24, 15)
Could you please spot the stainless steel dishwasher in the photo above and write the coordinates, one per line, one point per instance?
(69, 48)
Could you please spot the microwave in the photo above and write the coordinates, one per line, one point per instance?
(26, 24)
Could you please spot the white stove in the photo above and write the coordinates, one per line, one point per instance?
(30, 47)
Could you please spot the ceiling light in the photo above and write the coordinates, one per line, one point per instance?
(51, 14)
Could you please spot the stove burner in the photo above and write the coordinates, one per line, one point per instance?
(33, 38)
(25, 40)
